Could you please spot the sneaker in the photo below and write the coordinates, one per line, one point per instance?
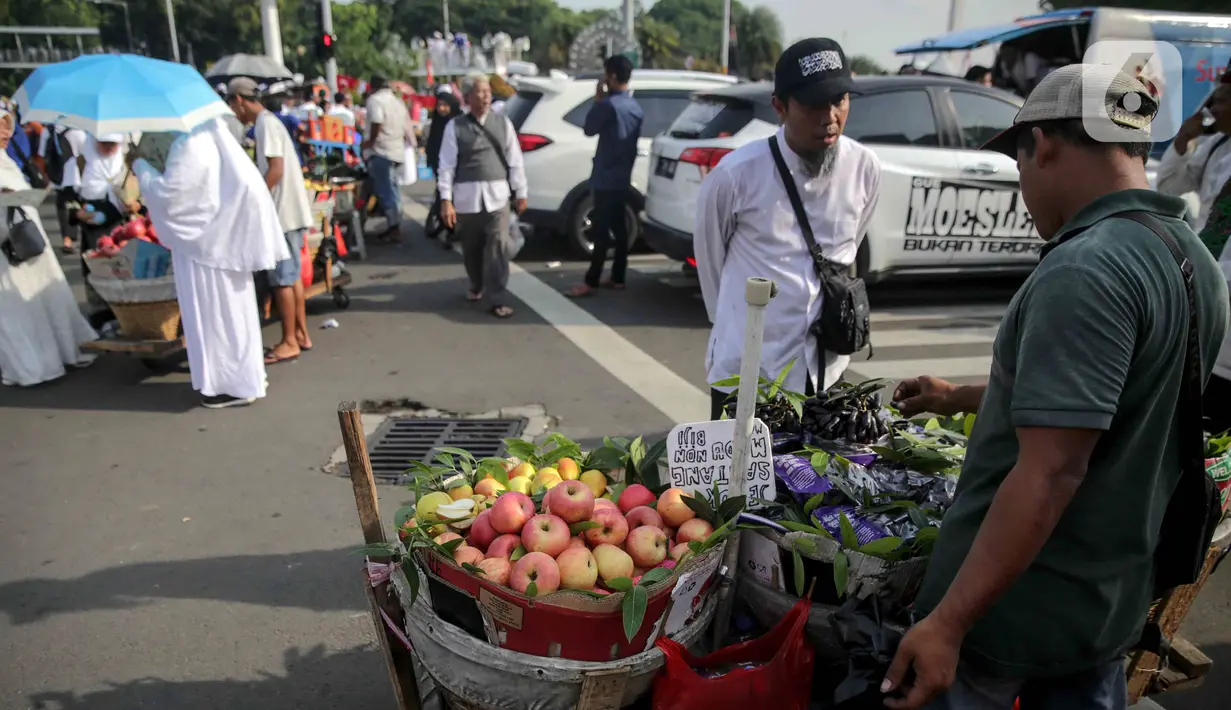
(222, 401)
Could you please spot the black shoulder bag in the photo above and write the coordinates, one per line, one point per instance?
(1195, 507)
(845, 325)
(24, 240)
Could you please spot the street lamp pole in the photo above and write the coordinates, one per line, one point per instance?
(175, 42)
(444, 7)
(955, 14)
(331, 64)
(726, 36)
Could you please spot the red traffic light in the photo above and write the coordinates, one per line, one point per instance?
(327, 40)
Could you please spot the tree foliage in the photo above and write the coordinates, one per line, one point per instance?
(865, 65)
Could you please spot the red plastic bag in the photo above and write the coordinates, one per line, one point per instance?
(783, 682)
(307, 271)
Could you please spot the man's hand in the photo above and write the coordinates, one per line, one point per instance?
(448, 217)
(1191, 129)
(131, 156)
(519, 205)
(925, 394)
(600, 90)
(931, 650)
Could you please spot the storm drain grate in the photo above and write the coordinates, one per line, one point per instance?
(400, 440)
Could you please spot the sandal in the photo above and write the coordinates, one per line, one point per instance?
(579, 291)
(474, 296)
(502, 311)
(271, 358)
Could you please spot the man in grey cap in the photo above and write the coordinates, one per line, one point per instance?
(1088, 437)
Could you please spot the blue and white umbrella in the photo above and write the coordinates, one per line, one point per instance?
(118, 93)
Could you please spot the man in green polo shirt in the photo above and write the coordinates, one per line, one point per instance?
(1043, 573)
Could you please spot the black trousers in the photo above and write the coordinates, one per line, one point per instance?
(1216, 405)
(607, 223)
(68, 226)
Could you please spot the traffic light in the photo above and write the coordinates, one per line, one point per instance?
(325, 44)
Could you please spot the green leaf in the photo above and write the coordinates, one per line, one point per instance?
(805, 544)
(495, 469)
(446, 461)
(701, 507)
(449, 547)
(620, 584)
(633, 610)
(813, 503)
(797, 403)
(849, 539)
(636, 452)
(460, 453)
(520, 448)
(378, 549)
(473, 569)
(457, 484)
(883, 546)
(841, 567)
(402, 515)
(411, 574)
(532, 589)
(776, 386)
(697, 546)
(605, 458)
(657, 574)
(969, 425)
(732, 381)
(804, 528)
(730, 508)
(797, 563)
(648, 468)
(577, 528)
(820, 462)
(518, 553)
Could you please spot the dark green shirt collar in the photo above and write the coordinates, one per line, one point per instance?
(1114, 203)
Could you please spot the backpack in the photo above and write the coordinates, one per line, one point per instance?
(59, 152)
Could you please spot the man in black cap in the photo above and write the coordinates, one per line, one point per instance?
(746, 225)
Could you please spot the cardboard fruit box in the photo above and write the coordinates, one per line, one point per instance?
(567, 624)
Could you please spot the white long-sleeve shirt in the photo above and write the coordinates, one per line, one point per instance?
(476, 197)
(745, 227)
(1204, 169)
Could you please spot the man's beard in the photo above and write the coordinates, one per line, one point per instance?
(820, 162)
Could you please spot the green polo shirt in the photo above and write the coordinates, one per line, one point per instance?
(1093, 340)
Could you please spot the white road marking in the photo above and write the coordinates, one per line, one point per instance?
(678, 399)
(966, 311)
(932, 336)
(939, 367)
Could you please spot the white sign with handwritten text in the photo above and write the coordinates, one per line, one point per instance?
(699, 455)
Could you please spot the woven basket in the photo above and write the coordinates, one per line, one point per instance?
(158, 320)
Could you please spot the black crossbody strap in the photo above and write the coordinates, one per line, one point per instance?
(797, 204)
(1191, 416)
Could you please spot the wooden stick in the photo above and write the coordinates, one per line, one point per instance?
(398, 659)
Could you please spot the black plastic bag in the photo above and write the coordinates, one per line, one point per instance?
(869, 630)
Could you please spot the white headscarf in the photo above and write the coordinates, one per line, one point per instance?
(104, 175)
(211, 203)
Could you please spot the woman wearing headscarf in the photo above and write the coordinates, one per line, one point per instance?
(447, 108)
(103, 174)
(40, 324)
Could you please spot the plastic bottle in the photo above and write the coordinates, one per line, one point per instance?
(95, 217)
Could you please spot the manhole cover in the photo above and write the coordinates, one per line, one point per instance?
(400, 440)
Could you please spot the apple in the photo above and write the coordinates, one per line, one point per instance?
(535, 567)
(511, 511)
(481, 531)
(503, 546)
(547, 534)
(577, 541)
(647, 546)
(612, 562)
(595, 481)
(605, 503)
(612, 529)
(488, 487)
(681, 552)
(447, 537)
(460, 492)
(634, 496)
(577, 568)
(522, 470)
(521, 484)
(467, 555)
(644, 515)
(695, 529)
(496, 570)
(568, 469)
(545, 479)
(425, 509)
(571, 500)
(673, 509)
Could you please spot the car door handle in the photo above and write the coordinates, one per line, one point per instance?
(981, 169)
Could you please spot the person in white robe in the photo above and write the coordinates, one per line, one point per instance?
(213, 211)
(40, 324)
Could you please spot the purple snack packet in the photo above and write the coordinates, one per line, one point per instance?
(865, 530)
(799, 476)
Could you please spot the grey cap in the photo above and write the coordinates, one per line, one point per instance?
(242, 86)
(1078, 92)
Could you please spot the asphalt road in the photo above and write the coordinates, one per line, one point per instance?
(159, 555)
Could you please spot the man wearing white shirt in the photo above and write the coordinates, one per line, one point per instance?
(58, 158)
(342, 108)
(384, 148)
(480, 170)
(745, 225)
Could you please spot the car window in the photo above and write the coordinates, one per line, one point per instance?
(577, 116)
(660, 108)
(712, 117)
(893, 118)
(519, 105)
(980, 118)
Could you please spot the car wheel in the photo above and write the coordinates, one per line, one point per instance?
(581, 241)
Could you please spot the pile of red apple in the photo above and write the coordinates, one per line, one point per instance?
(514, 545)
(136, 228)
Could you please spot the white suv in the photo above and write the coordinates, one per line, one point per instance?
(549, 113)
(945, 206)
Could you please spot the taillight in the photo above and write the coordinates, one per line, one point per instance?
(690, 261)
(705, 157)
(530, 141)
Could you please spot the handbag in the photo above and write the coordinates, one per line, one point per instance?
(24, 240)
(845, 324)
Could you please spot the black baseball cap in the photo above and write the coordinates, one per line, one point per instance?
(814, 72)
